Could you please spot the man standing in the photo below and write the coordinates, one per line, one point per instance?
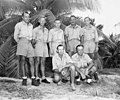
(23, 37)
(84, 64)
(74, 35)
(62, 66)
(90, 38)
(56, 37)
(40, 34)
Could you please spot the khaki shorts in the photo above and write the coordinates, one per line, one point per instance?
(41, 49)
(73, 43)
(24, 48)
(89, 47)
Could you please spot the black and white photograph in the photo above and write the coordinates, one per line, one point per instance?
(59, 50)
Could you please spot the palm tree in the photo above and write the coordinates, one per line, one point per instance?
(9, 61)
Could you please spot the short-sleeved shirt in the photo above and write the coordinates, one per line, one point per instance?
(81, 61)
(90, 34)
(56, 35)
(23, 30)
(40, 34)
(59, 63)
(73, 33)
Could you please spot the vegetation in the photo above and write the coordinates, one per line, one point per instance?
(10, 11)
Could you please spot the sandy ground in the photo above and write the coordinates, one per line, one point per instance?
(108, 88)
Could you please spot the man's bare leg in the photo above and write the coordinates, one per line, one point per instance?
(36, 66)
(31, 61)
(72, 76)
(22, 63)
(43, 70)
(43, 67)
(34, 81)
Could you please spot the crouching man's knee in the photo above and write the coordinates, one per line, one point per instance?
(57, 77)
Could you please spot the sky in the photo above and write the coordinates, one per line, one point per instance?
(108, 16)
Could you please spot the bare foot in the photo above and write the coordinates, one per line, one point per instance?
(73, 87)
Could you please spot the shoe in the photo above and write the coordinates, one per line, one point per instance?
(34, 82)
(64, 80)
(38, 80)
(24, 82)
(78, 82)
(45, 81)
(96, 76)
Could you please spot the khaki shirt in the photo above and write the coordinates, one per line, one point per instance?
(59, 63)
(23, 30)
(73, 33)
(90, 34)
(56, 35)
(40, 34)
(81, 61)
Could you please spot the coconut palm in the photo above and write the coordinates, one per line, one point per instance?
(9, 61)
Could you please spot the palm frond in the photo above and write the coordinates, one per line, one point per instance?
(4, 52)
(43, 13)
(8, 6)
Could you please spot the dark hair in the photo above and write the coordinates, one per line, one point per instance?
(26, 12)
(88, 18)
(57, 19)
(60, 45)
(80, 45)
(72, 16)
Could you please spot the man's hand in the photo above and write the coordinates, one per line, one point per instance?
(56, 71)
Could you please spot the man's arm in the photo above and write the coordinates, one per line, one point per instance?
(16, 33)
(96, 40)
(54, 63)
(66, 39)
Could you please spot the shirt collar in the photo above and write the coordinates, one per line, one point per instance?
(59, 56)
(41, 27)
(80, 56)
(76, 26)
(86, 27)
(25, 23)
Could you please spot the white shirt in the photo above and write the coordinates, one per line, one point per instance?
(23, 30)
(59, 63)
(81, 61)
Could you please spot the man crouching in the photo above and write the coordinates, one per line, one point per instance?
(84, 65)
(63, 66)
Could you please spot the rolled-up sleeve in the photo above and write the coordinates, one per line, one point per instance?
(96, 36)
(66, 32)
(88, 59)
(16, 32)
(50, 36)
(54, 62)
(34, 33)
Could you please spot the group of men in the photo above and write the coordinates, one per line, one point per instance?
(69, 49)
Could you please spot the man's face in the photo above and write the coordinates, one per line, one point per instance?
(73, 20)
(26, 17)
(60, 50)
(42, 21)
(57, 23)
(80, 50)
(87, 21)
